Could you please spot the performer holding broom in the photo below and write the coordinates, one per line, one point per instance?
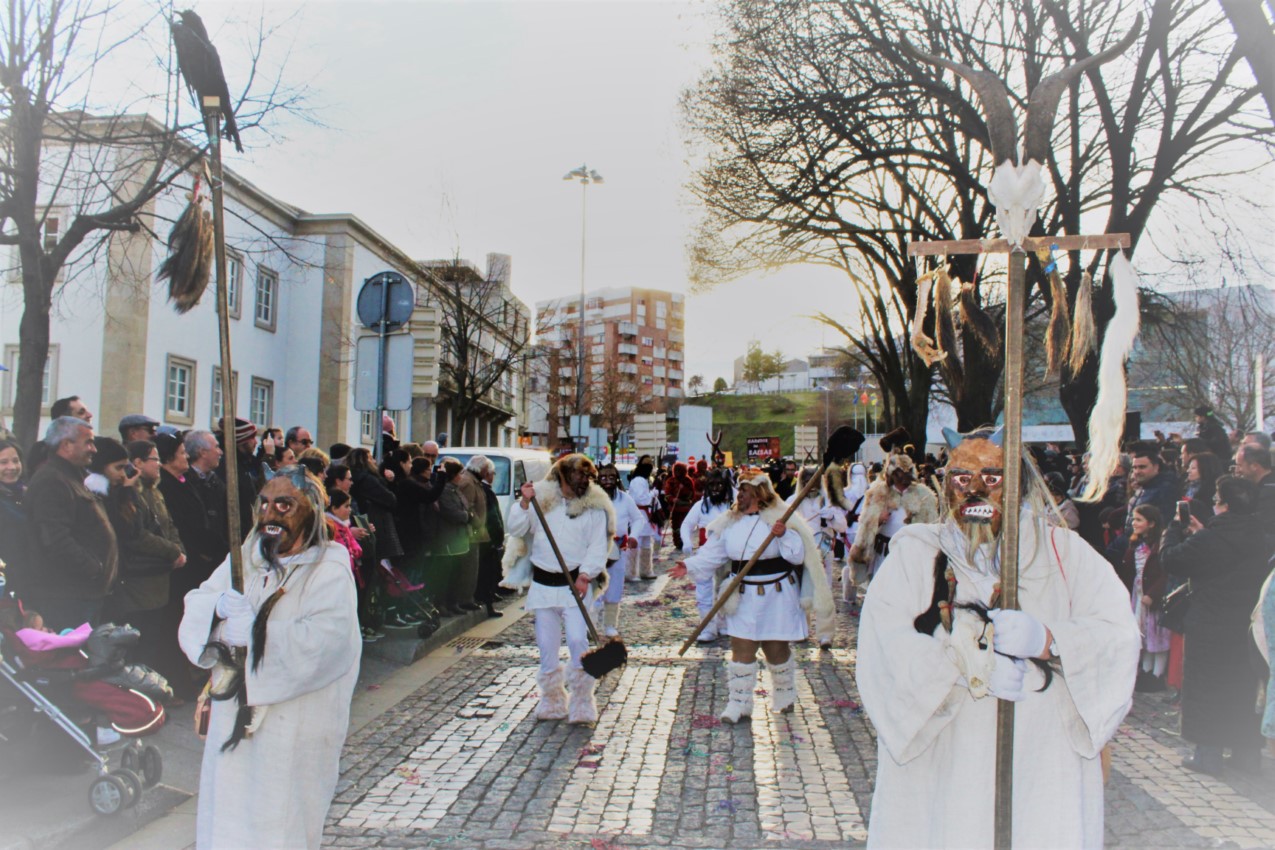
(769, 609)
(580, 516)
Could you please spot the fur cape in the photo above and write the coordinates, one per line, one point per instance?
(516, 564)
(816, 594)
(881, 500)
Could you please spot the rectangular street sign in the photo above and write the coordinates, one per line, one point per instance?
(763, 449)
(399, 360)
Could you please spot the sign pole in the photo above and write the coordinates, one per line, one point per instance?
(212, 125)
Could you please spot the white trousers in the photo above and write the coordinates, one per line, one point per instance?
(549, 626)
(615, 580)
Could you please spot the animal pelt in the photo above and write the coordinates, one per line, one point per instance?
(1083, 331)
(922, 344)
(881, 500)
(816, 593)
(897, 439)
(190, 254)
(945, 321)
(1056, 335)
(516, 563)
(834, 487)
(976, 320)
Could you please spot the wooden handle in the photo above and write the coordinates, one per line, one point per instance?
(566, 573)
(739, 576)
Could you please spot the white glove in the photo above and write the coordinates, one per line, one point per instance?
(1007, 679)
(232, 602)
(1017, 633)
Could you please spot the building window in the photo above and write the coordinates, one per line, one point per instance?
(234, 284)
(266, 313)
(179, 391)
(367, 421)
(48, 387)
(217, 410)
(647, 341)
(261, 402)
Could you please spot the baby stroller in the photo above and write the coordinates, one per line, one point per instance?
(62, 683)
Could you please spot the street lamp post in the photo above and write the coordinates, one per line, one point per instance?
(586, 176)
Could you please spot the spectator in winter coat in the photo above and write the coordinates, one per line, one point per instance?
(1226, 560)
(13, 515)
(1211, 431)
(451, 542)
(74, 559)
(1151, 485)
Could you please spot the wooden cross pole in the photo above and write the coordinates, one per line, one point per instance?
(1015, 303)
(212, 125)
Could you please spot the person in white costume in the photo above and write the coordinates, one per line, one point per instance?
(827, 520)
(642, 559)
(628, 519)
(580, 516)
(271, 760)
(930, 678)
(894, 500)
(717, 498)
(768, 611)
(855, 492)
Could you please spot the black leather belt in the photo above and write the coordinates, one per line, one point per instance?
(549, 579)
(764, 567)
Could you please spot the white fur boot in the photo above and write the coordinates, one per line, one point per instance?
(631, 565)
(783, 686)
(553, 696)
(611, 618)
(742, 680)
(849, 593)
(646, 560)
(584, 708)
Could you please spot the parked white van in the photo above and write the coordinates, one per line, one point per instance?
(513, 467)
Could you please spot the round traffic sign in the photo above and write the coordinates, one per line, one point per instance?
(388, 295)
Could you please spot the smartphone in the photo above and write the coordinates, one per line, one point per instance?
(1184, 513)
(130, 470)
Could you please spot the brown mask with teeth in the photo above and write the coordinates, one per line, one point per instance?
(285, 518)
(975, 487)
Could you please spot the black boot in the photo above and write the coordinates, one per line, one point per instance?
(492, 613)
(1204, 760)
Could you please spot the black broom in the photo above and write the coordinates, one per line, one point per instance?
(605, 657)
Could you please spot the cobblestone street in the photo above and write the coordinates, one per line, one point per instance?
(462, 762)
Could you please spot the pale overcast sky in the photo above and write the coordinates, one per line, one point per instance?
(451, 124)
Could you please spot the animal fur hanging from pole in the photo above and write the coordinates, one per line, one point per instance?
(1106, 422)
(1083, 330)
(1056, 335)
(922, 344)
(980, 324)
(190, 253)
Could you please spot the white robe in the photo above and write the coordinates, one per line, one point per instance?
(583, 540)
(628, 521)
(273, 790)
(699, 516)
(936, 744)
(646, 500)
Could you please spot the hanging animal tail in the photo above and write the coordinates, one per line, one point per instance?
(1056, 335)
(922, 344)
(1083, 331)
(259, 628)
(978, 322)
(945, 323)
(1106, 422)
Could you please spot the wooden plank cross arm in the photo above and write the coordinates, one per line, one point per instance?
(1031, 244)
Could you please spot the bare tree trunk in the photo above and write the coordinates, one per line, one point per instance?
(33, 352)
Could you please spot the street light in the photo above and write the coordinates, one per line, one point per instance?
(586, 176)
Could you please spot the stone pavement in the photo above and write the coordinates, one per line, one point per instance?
(461, 762)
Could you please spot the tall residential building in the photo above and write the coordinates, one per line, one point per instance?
(634, 341)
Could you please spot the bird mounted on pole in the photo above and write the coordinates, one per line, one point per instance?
(200, 67)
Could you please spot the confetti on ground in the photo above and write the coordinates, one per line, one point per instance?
(592, 749)
(761, 692)
(411, 775)
(694, 751)
(727, 806)
(706, 721)
(373, 687)
(799, 739)
(600, 844)
(504, 727)
(589, 765)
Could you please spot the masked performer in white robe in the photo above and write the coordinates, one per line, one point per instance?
(854, 494)
(931, 668)
(628, 520)
(827, 519)
(894, 500)
(580, 516)
(768, 611)
(642, 559)
(719, 492)
(271, 759)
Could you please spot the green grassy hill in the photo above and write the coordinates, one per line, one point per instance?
(743, 416)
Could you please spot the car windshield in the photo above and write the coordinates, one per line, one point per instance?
(501, 484)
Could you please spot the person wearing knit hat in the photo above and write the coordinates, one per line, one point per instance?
(768, 611)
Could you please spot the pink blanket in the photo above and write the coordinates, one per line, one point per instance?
(42, 641)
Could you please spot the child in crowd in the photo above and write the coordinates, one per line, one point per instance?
(1142, 564)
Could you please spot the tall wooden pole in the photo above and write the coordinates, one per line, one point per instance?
(212, 124)
(1015, 299)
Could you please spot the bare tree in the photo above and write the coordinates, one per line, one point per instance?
(826, 144)
(615, 401)
(485, 335)
(1207, 351)
(72, 182)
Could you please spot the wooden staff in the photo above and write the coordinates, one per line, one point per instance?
(738, 578)
(212, 125)
(557, 553)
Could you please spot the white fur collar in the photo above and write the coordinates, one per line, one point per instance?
(97, 483)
